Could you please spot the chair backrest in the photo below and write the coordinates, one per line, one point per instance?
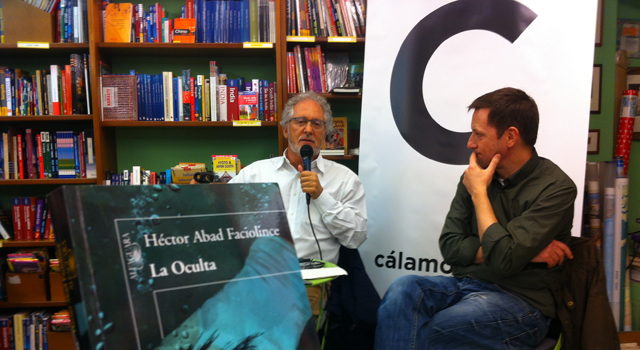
(582, 304)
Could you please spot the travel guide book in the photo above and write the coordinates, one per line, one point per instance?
(180, 267)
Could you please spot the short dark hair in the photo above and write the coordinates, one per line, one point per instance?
(511, 107)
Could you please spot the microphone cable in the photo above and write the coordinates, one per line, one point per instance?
(313, 231)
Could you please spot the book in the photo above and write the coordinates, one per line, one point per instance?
(335, 143)
(184, 30)
(117, 22)
(119, 97)
(180, 275)
(248, 105)
(225, 166)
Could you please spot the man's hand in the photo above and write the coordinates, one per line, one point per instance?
(310, 183)
(476, 179)
(554, 254)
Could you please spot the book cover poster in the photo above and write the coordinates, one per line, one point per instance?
(181, 267)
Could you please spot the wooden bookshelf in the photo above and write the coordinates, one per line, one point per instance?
(49, 182)
(180, 124)
(21, 244)
(8, 305)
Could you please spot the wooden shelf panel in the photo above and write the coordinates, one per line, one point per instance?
(47, 118)
(347, 157)
(330, 96)
(181, 49)
(48, 182)
(6, 304)
(18, 244)
(636, 136)
(136, 124)
(54, 49)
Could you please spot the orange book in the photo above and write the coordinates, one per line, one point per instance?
(68, 99)
(184, 30)
(117, 23)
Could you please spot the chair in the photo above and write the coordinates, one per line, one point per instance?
(582, 304)
(352, 306)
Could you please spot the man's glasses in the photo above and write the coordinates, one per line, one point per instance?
(301, 122)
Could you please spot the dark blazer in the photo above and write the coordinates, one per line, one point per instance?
(353, 306)
(581, 300)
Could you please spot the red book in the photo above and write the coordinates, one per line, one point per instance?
(28, 216)
(152, 178)
(82, 144)
(67, 83)
(63, 92)
(232, 100)
(40, 157)
(190, 9)
(20, 158)
(192, 89)
(48, 230)
(16, 207)
(272, 101)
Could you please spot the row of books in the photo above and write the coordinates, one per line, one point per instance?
(55, 91)
(29, 330)
(71, 21)
(606, 221)
(29, 154)
(138, 176)
(323, 18)
(165, 97)
(31, 219)
(310, 69)
(28, 261)
(201, 21)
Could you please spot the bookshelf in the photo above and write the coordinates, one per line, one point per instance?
(159, 145)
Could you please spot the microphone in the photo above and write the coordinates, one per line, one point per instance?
(306, 152)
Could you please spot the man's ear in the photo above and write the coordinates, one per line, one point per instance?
(285, 132)
(513, 136)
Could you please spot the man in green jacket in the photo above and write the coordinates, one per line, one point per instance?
(505, 237)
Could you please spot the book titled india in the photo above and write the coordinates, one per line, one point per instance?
(180, 267)
(119, 97)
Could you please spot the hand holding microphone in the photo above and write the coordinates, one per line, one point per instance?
(309, 181)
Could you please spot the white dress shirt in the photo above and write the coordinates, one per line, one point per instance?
(339, 214)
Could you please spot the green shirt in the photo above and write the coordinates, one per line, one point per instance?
(533, 206)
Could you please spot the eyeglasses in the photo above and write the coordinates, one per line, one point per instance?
(301, 122)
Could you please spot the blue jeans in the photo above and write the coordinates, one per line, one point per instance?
(444, 312)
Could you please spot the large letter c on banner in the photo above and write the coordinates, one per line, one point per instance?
(506, 18)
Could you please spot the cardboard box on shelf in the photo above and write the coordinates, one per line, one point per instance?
(26, 287)
(183, 172)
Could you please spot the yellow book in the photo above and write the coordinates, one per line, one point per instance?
(335, 144)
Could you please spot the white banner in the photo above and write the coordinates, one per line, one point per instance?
(425, 62)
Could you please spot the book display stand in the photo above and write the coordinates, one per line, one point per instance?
(40, 26)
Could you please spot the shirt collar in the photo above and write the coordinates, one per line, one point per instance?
(521, 173)
(319, 162)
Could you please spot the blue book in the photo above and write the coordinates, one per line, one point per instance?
(76, 155)
(200, 20)
(26, 331)
(54, 156)
(209, 20)
(176, 100)
(261, 98)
